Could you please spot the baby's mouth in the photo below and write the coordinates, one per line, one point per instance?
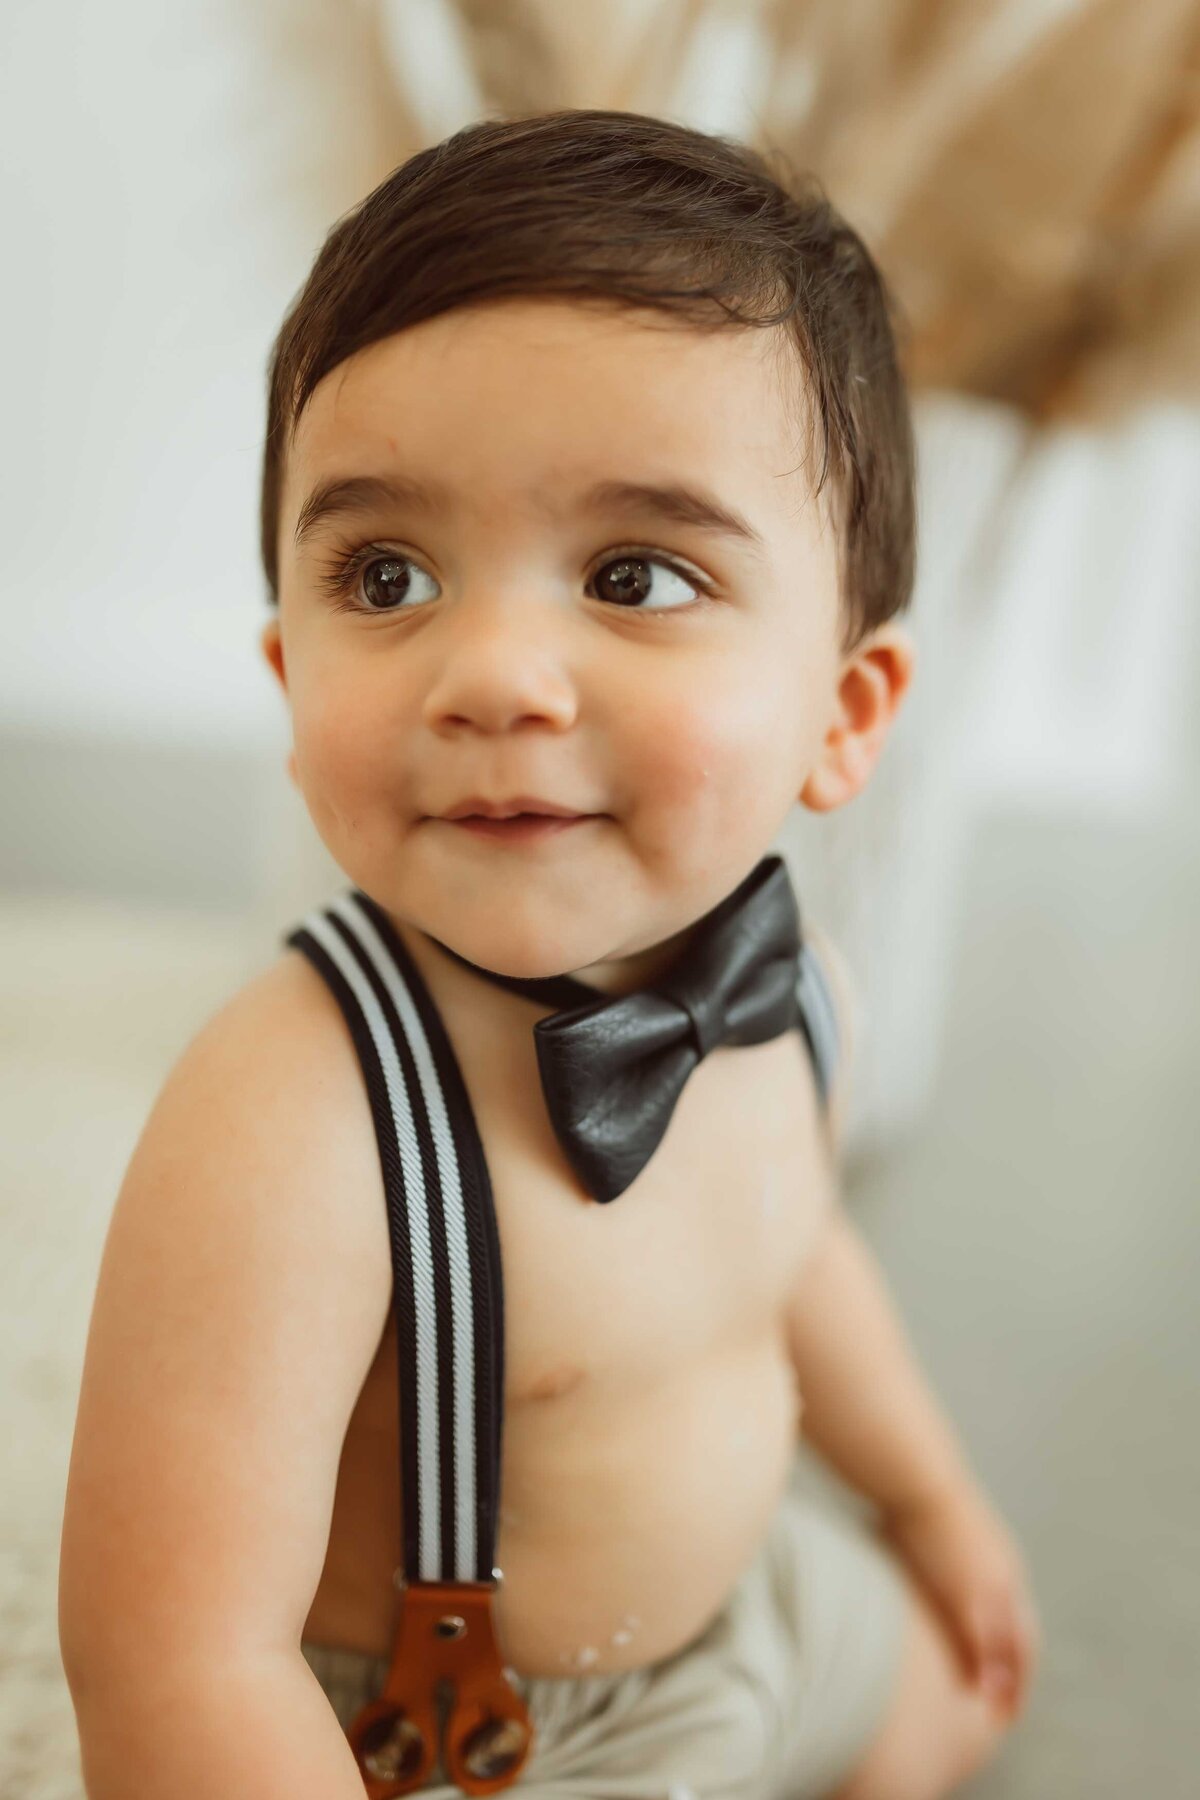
(521, 827)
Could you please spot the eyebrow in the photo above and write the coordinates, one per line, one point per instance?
(675, 501)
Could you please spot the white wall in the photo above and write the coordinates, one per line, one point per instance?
(153, 243)
(1084, 696)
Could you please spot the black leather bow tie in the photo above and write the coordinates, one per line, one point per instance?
(613, 1066)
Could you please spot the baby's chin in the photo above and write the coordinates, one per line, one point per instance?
(534, 930)
(541, 954)
(597, 962)
(611, 968)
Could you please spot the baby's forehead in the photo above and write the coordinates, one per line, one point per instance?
(543, 408)
(545, 367)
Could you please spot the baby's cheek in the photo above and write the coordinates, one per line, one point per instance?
(340, 764)
(708, 756)
(679, 762)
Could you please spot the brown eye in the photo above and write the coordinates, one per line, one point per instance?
(626, 581)
(386, 581)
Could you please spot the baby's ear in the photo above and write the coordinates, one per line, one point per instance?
(271, 641)
(873, 680)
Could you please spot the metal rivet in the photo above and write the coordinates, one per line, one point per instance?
(391, 1747)
(494, 1747)
(450, 1625)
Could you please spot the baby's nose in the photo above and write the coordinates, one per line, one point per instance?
(498, 679)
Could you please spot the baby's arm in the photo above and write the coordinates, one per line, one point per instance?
(243, 1289)
(872, 1415)
(867, 1407)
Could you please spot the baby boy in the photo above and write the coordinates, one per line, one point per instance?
(544, 353)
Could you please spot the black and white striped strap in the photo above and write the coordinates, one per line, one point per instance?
(448, 1295)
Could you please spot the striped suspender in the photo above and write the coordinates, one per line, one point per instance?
(447, 1707)
(448, 1297)
(818, 1019)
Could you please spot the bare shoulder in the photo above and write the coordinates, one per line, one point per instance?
(273, 1077)
(243, 1289)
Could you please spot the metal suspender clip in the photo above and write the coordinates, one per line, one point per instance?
(446, 1693)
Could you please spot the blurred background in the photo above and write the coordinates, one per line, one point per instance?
(1017, 892)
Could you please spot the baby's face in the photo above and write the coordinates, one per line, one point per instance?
(524, 633)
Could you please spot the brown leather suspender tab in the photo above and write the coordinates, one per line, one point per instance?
(445, 1661)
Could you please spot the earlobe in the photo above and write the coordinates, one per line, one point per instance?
(872, 684)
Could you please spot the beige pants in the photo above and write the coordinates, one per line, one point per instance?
(778, 1699)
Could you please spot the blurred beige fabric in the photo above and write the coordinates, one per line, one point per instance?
(1026, 171)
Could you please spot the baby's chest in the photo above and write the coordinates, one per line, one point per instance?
(696, 1257)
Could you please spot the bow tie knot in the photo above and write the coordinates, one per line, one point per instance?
(705, 1013)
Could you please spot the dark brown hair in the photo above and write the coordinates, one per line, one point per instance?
(635, 211)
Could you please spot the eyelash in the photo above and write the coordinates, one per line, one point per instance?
(339, 574)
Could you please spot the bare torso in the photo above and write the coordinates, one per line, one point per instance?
(651, 1410)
